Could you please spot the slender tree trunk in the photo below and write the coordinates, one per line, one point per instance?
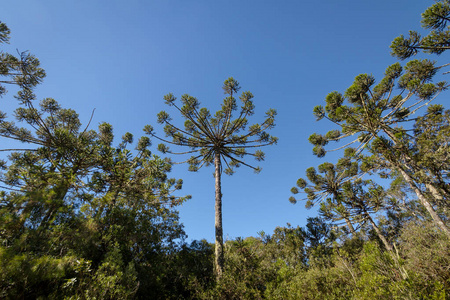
(388, 247)
(438, 195)
(386, 244)
(437, 220)
(346, 218)
(434, 191)
(219, 260)
(349, 225)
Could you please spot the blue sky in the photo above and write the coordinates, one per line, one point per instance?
(122, 57)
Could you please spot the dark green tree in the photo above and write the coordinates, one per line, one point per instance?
(74, 197)
(222, 139)
(78, 217)
(435, 18)
(288, 245)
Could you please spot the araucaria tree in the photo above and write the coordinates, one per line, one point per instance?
(383, 117)
(376, 114)
(79, 217)
(222, 139)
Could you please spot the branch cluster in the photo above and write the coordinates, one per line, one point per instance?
(226, 134)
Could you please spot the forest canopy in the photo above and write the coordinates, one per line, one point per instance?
(85, 214)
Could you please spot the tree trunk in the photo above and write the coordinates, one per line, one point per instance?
(349, 225)
(438, 196)
(434, 191)
(346, 218)
(386, 244)
(219, 260)
(423, 200)
(437, 220)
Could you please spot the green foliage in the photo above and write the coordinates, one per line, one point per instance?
(373, 114)
(434, 18)
(341, 194)
(23, 71)
(112, 280)
(83, 219)
(79, 218)
(264, 268)
(79, 199)
(431, 132)
(209, 135)
(427, 255)
(254, 265)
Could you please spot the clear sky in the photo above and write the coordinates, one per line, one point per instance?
(122, 57)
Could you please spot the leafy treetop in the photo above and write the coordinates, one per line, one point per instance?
(437, 41)
(222, 134)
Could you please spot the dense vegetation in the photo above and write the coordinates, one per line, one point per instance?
(82, 218)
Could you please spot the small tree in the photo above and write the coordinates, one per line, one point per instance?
(327, 189)
(216, 140)
(344, 195)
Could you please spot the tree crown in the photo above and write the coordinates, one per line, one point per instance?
(223, 133)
